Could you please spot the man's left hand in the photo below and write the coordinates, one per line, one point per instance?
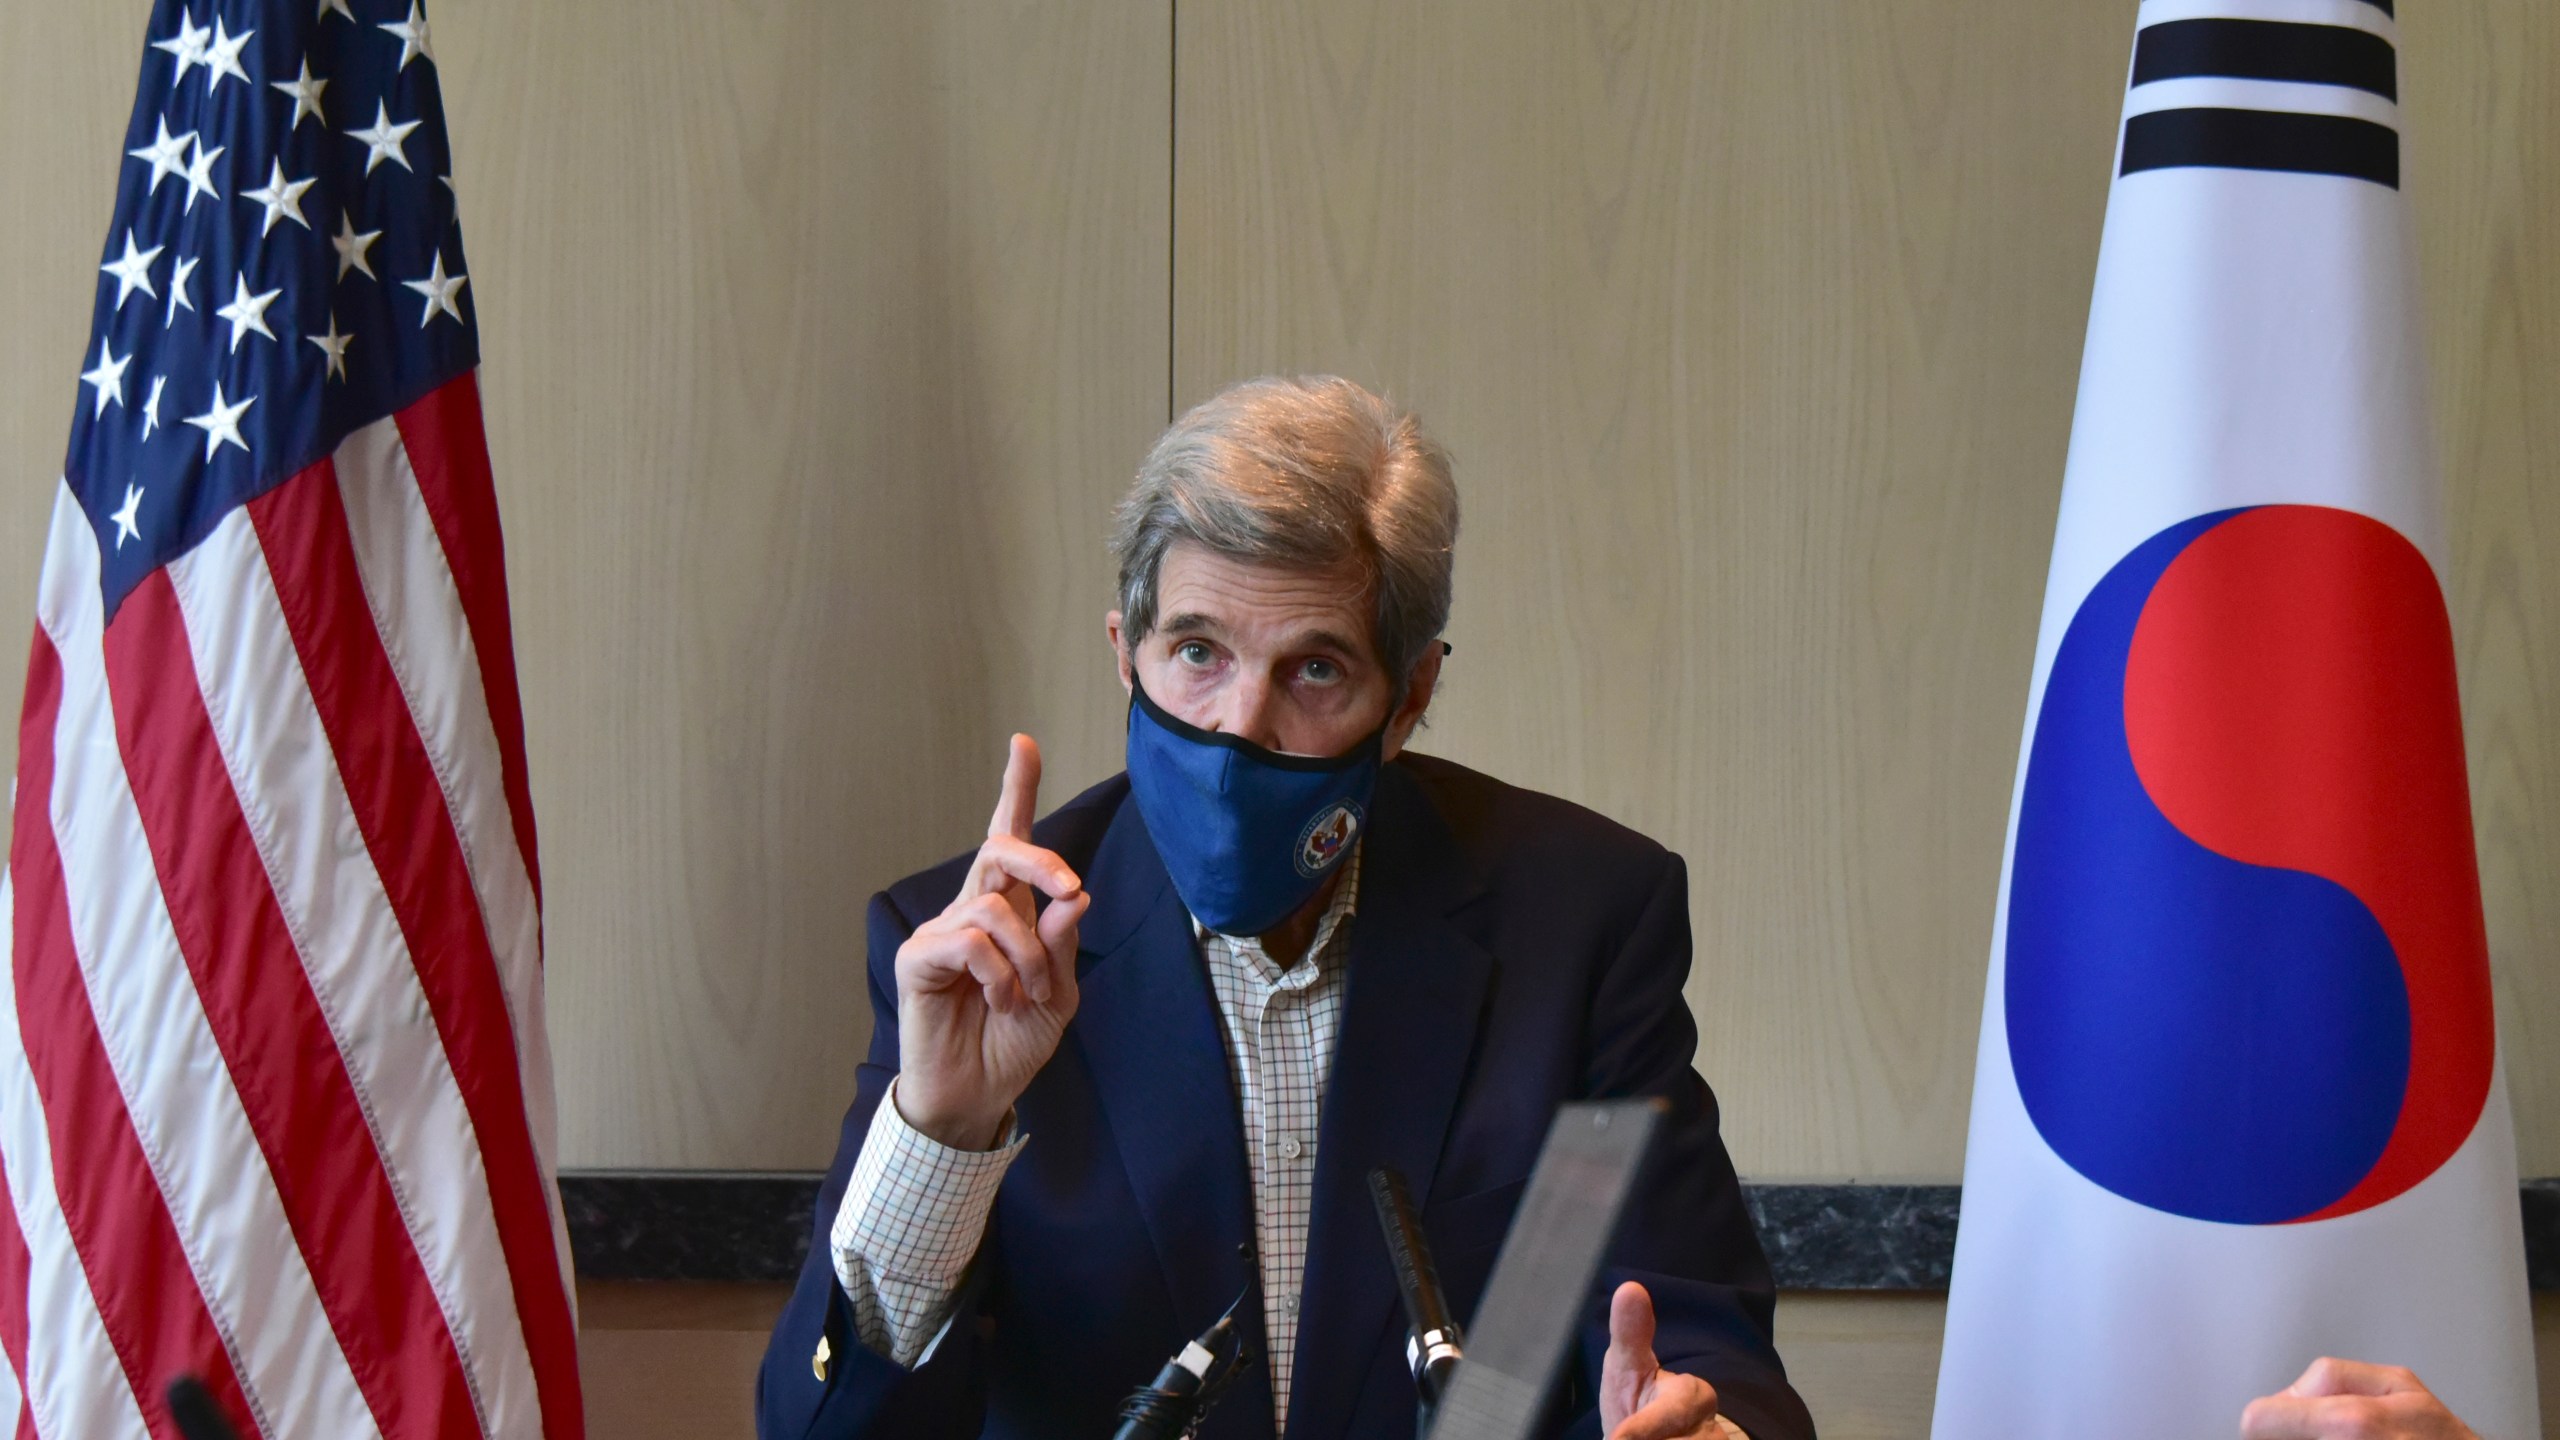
(1639, 1400)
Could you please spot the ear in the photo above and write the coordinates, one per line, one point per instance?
(1119, 652)
(1417, 698)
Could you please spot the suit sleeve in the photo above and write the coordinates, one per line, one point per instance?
(818, 1380)
(1686, 1237)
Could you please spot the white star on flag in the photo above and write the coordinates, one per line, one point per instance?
(351, 247)
(222, 57)
(187, 45)
(383, 141)
(413, 37)
(333, 345)
(126, 519)
(221, 423)
(151, 405)
(200, 176)
(107, 379)
(166, 156)
(332, 7)
(247, 312)
(440, 291)
(306, 95)
(281, 197)
(133, 272)
(180, 271)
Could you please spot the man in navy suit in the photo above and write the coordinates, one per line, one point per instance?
(1132, 1064)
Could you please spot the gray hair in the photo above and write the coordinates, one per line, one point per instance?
(1308, 471)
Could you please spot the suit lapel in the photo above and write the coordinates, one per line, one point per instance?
(1416, 997)
(1147, 1027)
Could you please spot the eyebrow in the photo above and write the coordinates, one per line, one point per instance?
(1192, 622)
(1326, 640)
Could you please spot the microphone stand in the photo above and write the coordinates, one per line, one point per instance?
(1434, 1345)
(197, 1417)
(1190, 1382)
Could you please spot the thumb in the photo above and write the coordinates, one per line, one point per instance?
(1627, 1371)
(1631, 1326)
(1058, 935)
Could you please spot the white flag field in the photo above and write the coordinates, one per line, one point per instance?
(2238, 1102)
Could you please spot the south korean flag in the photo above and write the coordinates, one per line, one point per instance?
(2238, 1102)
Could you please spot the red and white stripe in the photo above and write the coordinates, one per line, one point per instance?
(427, 631)
(43, 1291)
(275, 1103)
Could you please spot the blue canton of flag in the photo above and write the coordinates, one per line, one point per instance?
(284, 267)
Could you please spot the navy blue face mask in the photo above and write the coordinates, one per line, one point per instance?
(1247, 833)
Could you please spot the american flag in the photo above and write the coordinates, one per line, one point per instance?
(275, 1100)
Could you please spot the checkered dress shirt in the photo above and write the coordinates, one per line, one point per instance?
(915, 1209)
(912, 1217)
(1281, 1027)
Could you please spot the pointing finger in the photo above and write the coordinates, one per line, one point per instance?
(1018, 803)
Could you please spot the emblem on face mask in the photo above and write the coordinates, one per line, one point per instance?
(1326, 837)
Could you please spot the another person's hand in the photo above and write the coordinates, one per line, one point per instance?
(2349, 1400)
(1639, 1400)
(986, 988)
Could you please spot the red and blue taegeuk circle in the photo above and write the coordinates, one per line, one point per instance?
(2247, 975)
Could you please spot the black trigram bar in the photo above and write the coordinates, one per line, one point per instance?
(2263, 140)
(2382, 5)
(2268, 50)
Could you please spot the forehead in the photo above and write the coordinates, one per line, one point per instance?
(1262, 603)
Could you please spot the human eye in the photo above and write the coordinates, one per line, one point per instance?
(1317, 670)
(1195, 653)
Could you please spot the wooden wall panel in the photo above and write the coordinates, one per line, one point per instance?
(66, 89)
(2482, 84)
(817, 340)
(820, 337)
(1755, 329)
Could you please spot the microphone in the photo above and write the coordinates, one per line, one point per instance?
(198, 1418)
(1192, 1381)
(1434, 1346)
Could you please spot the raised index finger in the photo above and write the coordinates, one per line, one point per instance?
(1019, 801)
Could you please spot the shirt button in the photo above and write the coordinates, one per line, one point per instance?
(1289, 1306)
(1290, 1149)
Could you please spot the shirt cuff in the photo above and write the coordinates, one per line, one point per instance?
(912, 1218)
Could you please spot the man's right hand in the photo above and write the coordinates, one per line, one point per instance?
(986, 988)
